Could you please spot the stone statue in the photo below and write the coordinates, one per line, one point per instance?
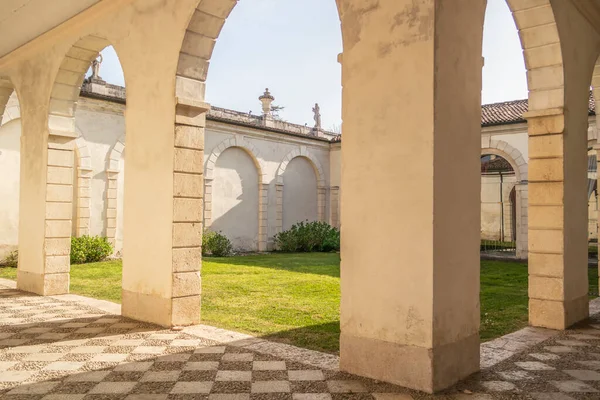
(96, 68)
(317, 110)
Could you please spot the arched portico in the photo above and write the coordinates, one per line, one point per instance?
(410, 285)
(50, 273)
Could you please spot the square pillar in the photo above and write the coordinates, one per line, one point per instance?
(263, 215)
(558, 280)
(46, 213)
(278, 208)
(112, 176)
(163, 219)
(321, 202)
(208, 188)
(522, 195)
(411, 193)
(84, 201)
(334, 214)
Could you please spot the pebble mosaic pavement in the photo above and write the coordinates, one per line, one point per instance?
(52, 349)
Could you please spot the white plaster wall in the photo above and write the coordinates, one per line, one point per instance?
(519, 140)
(10, 137)
(299, 193)
(235, 199)
(272, 148)
(100, 129)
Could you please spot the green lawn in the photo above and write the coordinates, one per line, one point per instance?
(294, 298)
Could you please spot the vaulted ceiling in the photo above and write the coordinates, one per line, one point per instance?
(24, 20)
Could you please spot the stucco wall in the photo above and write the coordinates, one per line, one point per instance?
(235, 199)
(300, 193)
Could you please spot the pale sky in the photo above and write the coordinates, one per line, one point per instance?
(291, 47)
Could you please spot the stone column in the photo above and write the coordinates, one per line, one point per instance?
(334, 219)
(522, 225)
(163, 284)
(111, 205)
(208, 187)
(410, 284)
(263, 215)
(50, 274)
(558, 280)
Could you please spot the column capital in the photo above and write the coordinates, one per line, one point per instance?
(191, 112)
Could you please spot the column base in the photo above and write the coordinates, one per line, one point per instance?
(558, 314)
(167, 312)
(43, 284)
(420, 368)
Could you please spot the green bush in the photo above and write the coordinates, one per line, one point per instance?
(216, 244)
(88, 249)
(308, 237)
(11, 260)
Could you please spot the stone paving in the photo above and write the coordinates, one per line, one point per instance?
(54, 349)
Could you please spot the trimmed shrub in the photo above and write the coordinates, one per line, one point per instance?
(308, 237)
(89, 249)
(11, 260)
(216, 244)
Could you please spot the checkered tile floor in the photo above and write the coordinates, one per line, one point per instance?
(53, 349)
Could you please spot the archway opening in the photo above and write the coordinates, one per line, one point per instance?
(10, 137)
(498, 206)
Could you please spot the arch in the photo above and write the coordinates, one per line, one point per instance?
(243, 143)
(540, 41)
(113, 169)
(67, 85)
(510, 154)
(302, 151)
(11, 110)
(6, 90)
(519, 165)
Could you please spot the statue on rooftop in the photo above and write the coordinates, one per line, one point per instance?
(317, 111)
(96, 68)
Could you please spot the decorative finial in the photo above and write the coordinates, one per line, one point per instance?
(266, 99)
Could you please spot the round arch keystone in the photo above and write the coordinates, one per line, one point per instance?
(512, 155)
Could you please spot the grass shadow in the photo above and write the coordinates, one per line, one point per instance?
(307, 263)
